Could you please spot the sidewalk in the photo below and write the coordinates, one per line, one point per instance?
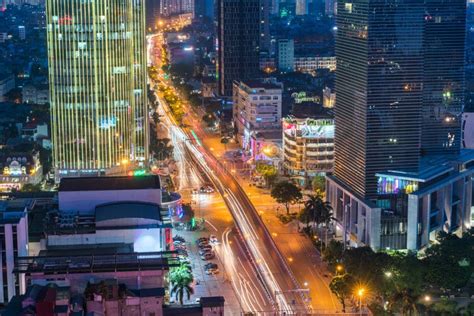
(208, 285)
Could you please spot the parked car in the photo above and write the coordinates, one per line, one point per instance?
(210, 265)
(204, 251)
(205, 247)
(178, 238)
(203, 243)
(208, 256)
(212, 271)
(213, 239)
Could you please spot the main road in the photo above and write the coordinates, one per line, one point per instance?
(271, 269)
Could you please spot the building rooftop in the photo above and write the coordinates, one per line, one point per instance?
(432, 167)
(262, 84)
(99, 263)
(212, 301)
(153, 292)
(109, 183)
(313, 110)
(120, 210)
(269, 135)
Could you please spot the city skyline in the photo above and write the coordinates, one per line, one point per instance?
(263, 157)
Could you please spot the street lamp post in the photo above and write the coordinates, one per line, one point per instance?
(360, 293)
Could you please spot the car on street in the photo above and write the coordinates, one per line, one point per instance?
(206, 189)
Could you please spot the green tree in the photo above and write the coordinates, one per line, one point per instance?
(319, 185)
(445, 307)
(333, 253)
(367, 266)
(162, 148)
(305, 216)
(156, 118)
(188, 213)
(269, 172)
(342, 287)
(28, 187)
(320, 210)
(286, 193)
(181, 280)
(452, 254)
(225, 141)
(405, 301)
(209, 119)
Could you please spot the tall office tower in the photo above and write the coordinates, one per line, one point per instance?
(98, 89)
(238, 29)
(379, 51)
(173, 7)
(275, 7)
(330, 7)
(265, 25)
(204, 8)
(444, 76)
(152, 14)
(399, 175)
(302, 7)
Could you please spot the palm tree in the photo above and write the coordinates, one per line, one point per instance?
(326, 216)
(311, 207)
(319, 210)
(181, 280)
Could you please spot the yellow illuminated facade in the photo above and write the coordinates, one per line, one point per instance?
(98, 88)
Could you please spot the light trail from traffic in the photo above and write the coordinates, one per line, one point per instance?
(270, 267)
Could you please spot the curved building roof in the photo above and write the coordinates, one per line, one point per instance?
(127, 210)
(109, 183)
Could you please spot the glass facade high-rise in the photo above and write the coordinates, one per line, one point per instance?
(239, 27)
(444, 76)
(379, 81)
(400, 83)
(98, 88)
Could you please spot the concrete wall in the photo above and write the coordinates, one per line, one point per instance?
(144, 240)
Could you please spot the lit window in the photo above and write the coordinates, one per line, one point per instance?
(348, 7)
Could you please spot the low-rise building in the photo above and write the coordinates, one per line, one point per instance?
(467, 132)
(411, 207)
(13, 244)
(18, 169)
(310, 64)
(34, 131)
(256, 109)
(286, 55)
(329, 98)
(7, 83)
(35, 94)
(308, 142)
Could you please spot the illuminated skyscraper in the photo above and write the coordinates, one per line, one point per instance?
(239, 38)
(98, 89)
